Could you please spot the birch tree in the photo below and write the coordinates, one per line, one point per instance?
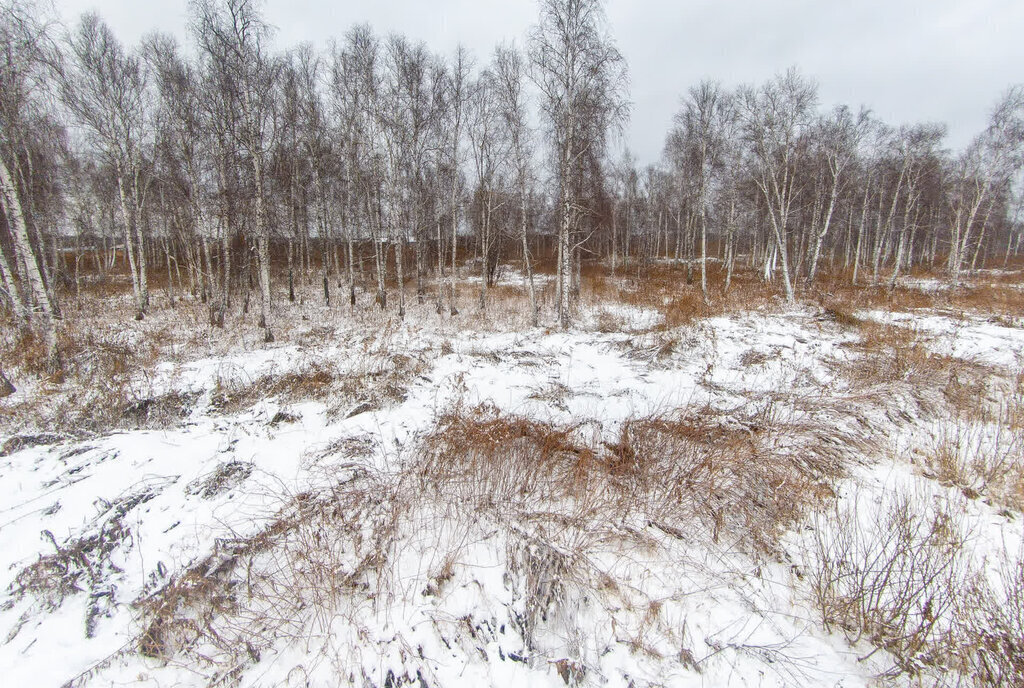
(509, 74)
(774, 118)
(704, 125)
(838, 135)
(104, 86)
(188, 138)
(989, 162)
(457, 96)
(582, 78)
(486, 155)
(23, 41)
(918, 145)
(233, 36)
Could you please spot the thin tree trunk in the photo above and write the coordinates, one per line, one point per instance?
(129, 250)
(820, 237)
(703, 255)
(452, 309)
(263, 250)
(11, 288)
(39, 299)
(528, 278)
(730, 247)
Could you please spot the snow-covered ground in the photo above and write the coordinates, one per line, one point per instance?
(988, 341)
(94, 532)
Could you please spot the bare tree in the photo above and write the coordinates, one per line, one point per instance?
(356, 77)
(232, 36)
(458, 94)
(404, 114)
(774, 118)
(322, 158)
(187, 145)
(989, 162)
(509, 75)
(105, 89)
(917, 145)
(23, 42)
(487, 156)
(704, 124)
(839, 135)
(582, 79)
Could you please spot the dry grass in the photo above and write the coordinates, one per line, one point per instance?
(105, 382)
(664, 288)
(313, 381)
(81, 564)
(1011, 412)
(380, 382)
(907, 582)
(251, 592)
(898, 358)
(103, 347)
(896, 583)
(998, 295)
(558, 494)
(745, 479)
(555, 494)
(990, 629)
(481, 458)
(980, 459)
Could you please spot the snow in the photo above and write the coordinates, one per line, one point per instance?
(970, 337)
(679, 610)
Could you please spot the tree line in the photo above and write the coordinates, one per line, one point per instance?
(377, 161)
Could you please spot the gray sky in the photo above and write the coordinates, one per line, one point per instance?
(907, 60)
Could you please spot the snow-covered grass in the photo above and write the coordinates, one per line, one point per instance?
(656, 497)
(994, 341)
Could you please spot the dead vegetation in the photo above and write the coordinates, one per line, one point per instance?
(894, 579)
(107, 386)
(224, 477)
(84, 564)
(905, 580)
(381, 382)
(982, 460)
(557, 495)
(990, 643)
(317, 555)
(667, 290)
(979, 447)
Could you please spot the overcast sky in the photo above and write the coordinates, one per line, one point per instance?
(907, 60)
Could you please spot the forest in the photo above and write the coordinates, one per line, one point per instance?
(222, 167)
(374, 365)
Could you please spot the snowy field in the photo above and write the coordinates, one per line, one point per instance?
(770, 497)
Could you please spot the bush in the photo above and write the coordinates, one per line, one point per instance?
(895, 582)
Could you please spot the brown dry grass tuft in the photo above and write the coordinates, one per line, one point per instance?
(981, 459)
(665, 289)
(312, 382)
(487, 458)
(746, 478)
(890, 354)
(251, 592)
(896, 582)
